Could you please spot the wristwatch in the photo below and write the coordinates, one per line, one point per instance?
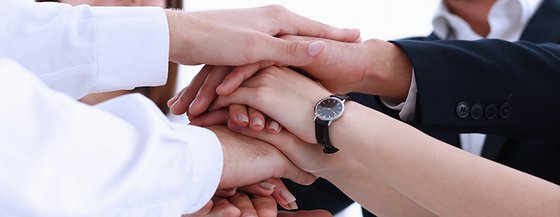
(328, 110)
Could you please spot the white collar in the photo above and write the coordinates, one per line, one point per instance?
(507, 20)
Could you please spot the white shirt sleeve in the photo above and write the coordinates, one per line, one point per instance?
(59, 157)
(80, 50)
(406, 108)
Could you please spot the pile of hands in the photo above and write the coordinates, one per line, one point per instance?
(265, 124)
(262, 109)
(257, 149)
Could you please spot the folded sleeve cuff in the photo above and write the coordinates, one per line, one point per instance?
(408, 107)
(132, 47)
(208, 164)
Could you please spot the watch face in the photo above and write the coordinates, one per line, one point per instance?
(329, 109)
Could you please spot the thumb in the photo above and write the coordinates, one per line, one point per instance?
(308, 157)
(295, 53)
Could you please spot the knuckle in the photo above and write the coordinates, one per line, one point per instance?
(293, 47)
(276, 8)
(267, 212)
(230, 211)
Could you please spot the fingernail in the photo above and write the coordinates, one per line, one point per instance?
(267, 185)
(248, 214)
(274, 126)
(243, 118)
(171, 100)
(289, 197)
(257, 122)
(220, 88)
(193, 103)
(293, 205)
(315, 47)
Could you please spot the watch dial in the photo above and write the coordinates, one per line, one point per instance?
(329, 109)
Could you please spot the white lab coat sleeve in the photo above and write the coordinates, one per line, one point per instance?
(59, 157)
(80, 50)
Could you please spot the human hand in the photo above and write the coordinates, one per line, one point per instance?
(309, 157)
(270, 187)
(197, 96)
(284, 95)
(243, 36)
(248, 161)
(373, 67)
(240, 204)
(243, 205)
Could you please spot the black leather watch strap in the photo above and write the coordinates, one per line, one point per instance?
(322, 136)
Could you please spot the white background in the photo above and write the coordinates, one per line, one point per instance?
(375, 18)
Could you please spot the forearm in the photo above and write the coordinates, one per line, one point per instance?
(359, 183)
(454, 183)
(388, 71)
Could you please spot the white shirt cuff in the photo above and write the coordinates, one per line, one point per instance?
(207, 167)
(408, 107)
(132, 47)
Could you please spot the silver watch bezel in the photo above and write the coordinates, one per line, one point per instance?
(329, 119)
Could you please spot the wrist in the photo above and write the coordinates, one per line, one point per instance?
(177, 42)
(388, 72)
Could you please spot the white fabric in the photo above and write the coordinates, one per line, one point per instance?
(83, 49)
(507, 19)
(60, 157)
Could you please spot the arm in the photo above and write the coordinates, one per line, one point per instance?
(522, 74)
(64, 158)
(121, 157)
(453, 182)
(80, 50)
(446, 73)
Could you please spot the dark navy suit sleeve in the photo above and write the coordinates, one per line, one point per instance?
(488, 86)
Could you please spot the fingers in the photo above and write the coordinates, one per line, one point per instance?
(204, 211)
(172, 101)
(297, 175)
(239, 115)
(272, 126)
(226, 193)
(257, 119)
(218, 117)
(283, 196)
(187, 95)
(277, 189)
(265, 206)
(308, 27)
(295, 24)
(305, 213)
(241, 96)
(244, 204)
(207, 92)
(308, 157)
(264, 188)
(296, 53)
(234, 79)
(222, 207)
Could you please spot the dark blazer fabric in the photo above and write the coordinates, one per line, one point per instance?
(509, 90)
